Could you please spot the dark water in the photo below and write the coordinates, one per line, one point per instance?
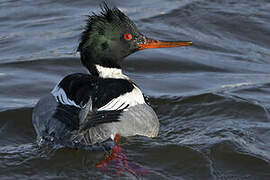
(212, 99)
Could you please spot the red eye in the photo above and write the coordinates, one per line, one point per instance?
(127, 36)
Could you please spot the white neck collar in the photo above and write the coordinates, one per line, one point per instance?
(105, 72)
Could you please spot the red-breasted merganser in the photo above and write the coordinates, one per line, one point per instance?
(86, 109)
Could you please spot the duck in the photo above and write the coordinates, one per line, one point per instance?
(89, 109)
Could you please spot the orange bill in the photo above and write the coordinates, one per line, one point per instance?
(151, 43)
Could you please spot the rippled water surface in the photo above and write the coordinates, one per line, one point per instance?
(212, 99)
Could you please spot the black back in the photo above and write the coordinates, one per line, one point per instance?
(80, 87)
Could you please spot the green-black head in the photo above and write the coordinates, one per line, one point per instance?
(111, 36)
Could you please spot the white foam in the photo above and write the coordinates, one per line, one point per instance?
(236, 85)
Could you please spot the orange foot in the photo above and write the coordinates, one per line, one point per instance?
(117, 162)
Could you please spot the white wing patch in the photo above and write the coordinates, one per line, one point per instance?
(128, 99)
(61, 97)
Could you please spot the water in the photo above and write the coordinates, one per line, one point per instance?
(212, 98)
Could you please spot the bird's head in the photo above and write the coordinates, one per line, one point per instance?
(111, 36)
